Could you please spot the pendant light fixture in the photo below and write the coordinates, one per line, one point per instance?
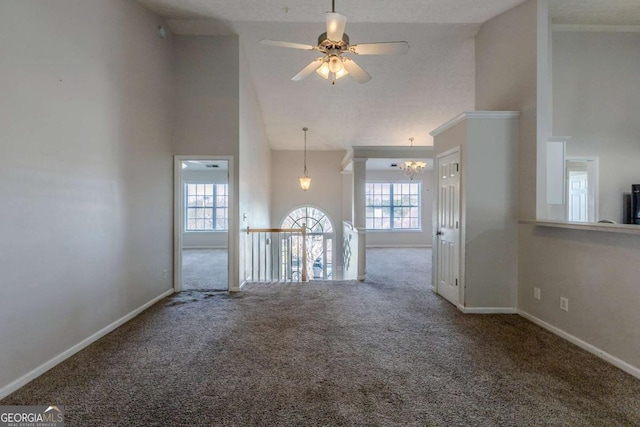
(305, 180)
(412, 168)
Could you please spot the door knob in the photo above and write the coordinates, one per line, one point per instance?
(439, 233)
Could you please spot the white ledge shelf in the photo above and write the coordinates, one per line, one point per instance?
(607, 228)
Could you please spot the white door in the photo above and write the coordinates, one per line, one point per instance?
(578, 208)
(448, 229)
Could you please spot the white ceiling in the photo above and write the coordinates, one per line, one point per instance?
(409, 95)
(417, 11)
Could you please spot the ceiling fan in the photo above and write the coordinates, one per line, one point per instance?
(333, 44)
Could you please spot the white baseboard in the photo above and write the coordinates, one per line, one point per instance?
(398, 246)
(30, 376)
(488, 310)
(204, 247)
(628, 368)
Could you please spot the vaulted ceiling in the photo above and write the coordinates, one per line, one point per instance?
(409, 95)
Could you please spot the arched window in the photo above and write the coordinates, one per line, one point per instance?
(319, 242)
(312, 218)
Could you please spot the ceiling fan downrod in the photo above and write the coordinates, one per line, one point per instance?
(333, 6)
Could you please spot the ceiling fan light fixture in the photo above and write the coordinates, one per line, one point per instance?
(324, 70)
(341, 73)
(333, 44)
(335, 63)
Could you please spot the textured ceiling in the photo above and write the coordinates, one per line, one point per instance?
(432, 11)
(409, 95)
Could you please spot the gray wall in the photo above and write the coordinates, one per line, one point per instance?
(255, 162)
(208, 114)
(207, 101)
(491, 235)
(86, 107)
(506, 81)
(596, 100)
(488, 208)
(597, 271)
(218, 114)
(325, 192)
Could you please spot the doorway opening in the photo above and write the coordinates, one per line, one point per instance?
(202, 201)
(582, 189)
(320, 239)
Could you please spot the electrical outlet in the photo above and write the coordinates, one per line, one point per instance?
(165, 274)
(536, 293)
(564, 304)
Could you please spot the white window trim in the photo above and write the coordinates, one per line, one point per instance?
(420, 206)
(214, 207)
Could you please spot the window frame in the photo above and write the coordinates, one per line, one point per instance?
(214, 207)
(393, 206)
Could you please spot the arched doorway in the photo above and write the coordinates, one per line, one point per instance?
(320, 239)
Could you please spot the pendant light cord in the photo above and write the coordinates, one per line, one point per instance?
(305, 150)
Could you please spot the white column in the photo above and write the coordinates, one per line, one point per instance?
(358, 213)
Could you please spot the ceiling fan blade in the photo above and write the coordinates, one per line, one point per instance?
(288, 44)
(385, 48)
(354, 69)
(335, 26)
(306, 71)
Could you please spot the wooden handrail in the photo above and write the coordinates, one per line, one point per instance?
(276, 230)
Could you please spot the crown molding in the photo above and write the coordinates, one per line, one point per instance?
(475, 115)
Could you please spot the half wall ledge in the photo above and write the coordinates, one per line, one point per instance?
(607, 228)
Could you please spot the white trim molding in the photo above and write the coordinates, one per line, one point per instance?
(475, 115)
(35, 373)
(488, 310)
(621, 364)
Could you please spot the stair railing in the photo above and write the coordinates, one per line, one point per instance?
(276, 254)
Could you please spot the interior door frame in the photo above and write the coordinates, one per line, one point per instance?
(461, 229)
(178, 215)
(593, 180)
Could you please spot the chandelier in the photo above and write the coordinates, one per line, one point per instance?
(305, 180)
(411, 168)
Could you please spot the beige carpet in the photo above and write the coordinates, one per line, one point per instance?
(381, 353)
(205, 269)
